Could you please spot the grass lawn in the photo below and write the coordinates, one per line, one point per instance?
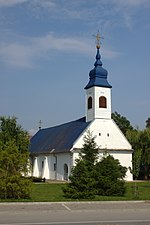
(51, 192)
(48, 192)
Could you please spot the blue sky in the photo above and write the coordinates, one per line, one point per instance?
(47, 48)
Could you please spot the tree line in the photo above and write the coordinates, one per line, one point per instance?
(140, 141)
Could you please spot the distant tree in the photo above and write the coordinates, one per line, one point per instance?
(90, 177)
(134, 137)
(145, 157)
(148, 123)
(122, 122)
(14, 155)
(140, 141)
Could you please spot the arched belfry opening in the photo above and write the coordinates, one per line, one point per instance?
(90, 102)
(102, 102)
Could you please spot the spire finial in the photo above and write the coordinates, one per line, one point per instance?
(40, 124)
(98, 38)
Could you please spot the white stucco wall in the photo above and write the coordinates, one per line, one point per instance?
(125, 159)
(62, 159)
(43, 166)
(97, 112)
(108, 135)
(37, 165)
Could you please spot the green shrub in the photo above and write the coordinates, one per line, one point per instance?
(90, 178)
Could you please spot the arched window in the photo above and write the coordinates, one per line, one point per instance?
(102, 102)
(90, 102)
(65, 171)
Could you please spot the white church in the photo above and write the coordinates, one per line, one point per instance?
(53, 150)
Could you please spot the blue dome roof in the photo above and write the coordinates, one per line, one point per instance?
(98, 75)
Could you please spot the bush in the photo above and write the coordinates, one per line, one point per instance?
(15, 187)
(38, 179)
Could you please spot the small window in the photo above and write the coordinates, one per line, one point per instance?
(107, 134)
(102, 102)
(99, 134)
(42, 164)
(54, 166)
(90, 102)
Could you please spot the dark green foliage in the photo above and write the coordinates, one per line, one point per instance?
(15, 187)
(89, 151)
(122, 122)
(110, 176)
(14, 155)
(148, 123)
(81, 182)
(91, 178)
(140, 141)
(37, 179)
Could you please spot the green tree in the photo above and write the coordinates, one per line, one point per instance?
(122, 122)
(110, 177)
(140, 141)
(145, 157)
(89, 151)
(134, 136)
(90, 177)
(82, 182)
(148, 123)
(14, 155)
(82, 179)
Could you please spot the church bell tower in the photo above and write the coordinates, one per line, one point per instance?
(98, 90)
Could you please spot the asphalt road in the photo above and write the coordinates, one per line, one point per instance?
(75, 213)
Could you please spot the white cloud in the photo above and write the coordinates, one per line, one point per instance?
(61, 44)
(16, 55)
(24, 55)
(98, 13)
(9, 3)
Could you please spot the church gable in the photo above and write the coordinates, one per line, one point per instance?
(107, 135)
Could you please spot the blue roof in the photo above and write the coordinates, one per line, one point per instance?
(59, 138)
(98, 75)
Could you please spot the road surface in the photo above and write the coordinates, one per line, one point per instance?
(75, 213)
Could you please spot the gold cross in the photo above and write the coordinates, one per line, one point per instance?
(98, 38)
